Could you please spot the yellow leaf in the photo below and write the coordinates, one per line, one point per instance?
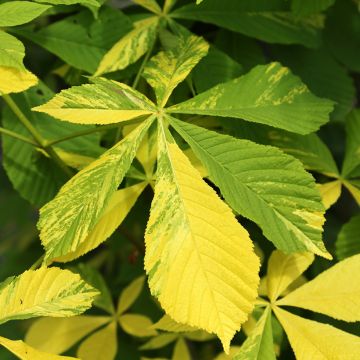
(283, 269)
(151, 5)
(74, 160)
(44, 292)
(233, 351)
(196, 163)
(15, 80)
(102, 345)
(26, 352)
(181, 351)
(130, 294)
(335, 292)
(200, 260)
(330, 192)
(312, 340)
(120, 204)
(137, 325)
(355, 192)
(64, 332)
(130, 47)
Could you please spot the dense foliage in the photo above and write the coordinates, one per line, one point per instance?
(185, 172)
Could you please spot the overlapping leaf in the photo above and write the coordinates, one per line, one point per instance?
(263, 184)
(304, 8)
(197, 281)
(348, 241)
(277, 96)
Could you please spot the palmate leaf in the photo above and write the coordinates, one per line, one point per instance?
(26, 352)
(150, 5)
(103, 102)
(277, 97)
(264, 185)
(67, 221)
(199, 259)
(168, 69)
(267, 20)
(130, 294)
(130, 47)
(44, 292)
(330, 192)
(319, 341)
(137, 325)
(348, 241)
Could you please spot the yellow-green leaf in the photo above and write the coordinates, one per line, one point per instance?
(120, 204)
(169, 68)
(137, 325)
(355, 191)
(330, 192)
(64, 332)
(101, 345)
(159, 341)
(166, 323)
(312, 340)
(200, 260)
(44, 292)
(283, 269)
(26, 352)
(14, 80)
(103, 102)
(151, 5)
(168, 5)
(233, 351)
(335, 292)
(129, 48)
(130, 294)
(70, 218)
(181, 351)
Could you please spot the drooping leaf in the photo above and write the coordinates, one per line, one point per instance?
(335, 292)
(168, 69)
(322, 341)
(264, 185)
(303, 8)
(330, 192)
(103, 102)
(67, 221)
(151, 5)
(54, 292)
(189, 272)
(26, 352)
(277, 96)
(13, 13)
(65, 333)
(130, 47)
(80, 40)
(137, 325)
(100, 345)
(348, 240)
(130, 294)
(259, 345)
(267, 20)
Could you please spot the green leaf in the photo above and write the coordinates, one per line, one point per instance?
(12, 51)
(130, 294)
(130, 47)
(65, 332)
(187, 224)
(303, 8)
(259, 345)
(351, 164)
(168, 69)
(137, 325)
(67, 220)
(267, 20)
(94, 3)
(263, 184)
(150, 5)
(103, 102)
(13, 13)
(181, 351)
(80, 34)
(347, 243)
(277, 96)
(54, 292)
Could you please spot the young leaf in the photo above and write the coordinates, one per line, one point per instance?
(151, 5)
(283, 270)
(320, 340)
(67, 221)
(264, 185)
(347, 243)
(267, 20)
(130, 47)
(103, 102)
(168, 69)
(100, 345)
(199, 259)
(65, 333)
(330, 192)
(130, 294)
(26, 352)
(13, 13)
(54, 292)
(137, 325)
(335, 292)
(277, 96)
(259, 345)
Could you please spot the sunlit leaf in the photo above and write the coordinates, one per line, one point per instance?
(130, 294)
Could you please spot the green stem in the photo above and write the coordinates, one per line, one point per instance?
(35, 134)
(17, 136)
(37, 263)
